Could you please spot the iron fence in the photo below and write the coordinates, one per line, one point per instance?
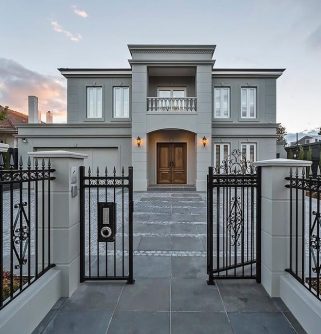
(25, 230)
(234, 219)
(106, 237)
(305, 229)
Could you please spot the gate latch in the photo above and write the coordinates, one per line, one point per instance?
(106, 222)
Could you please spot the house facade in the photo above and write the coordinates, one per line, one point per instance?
(170, 115)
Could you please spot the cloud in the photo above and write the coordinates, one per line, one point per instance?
(314, 38)
(80, 12)
(18, 82)
(59, 28)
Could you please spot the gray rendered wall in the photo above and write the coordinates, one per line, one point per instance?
(76, 97)
(266, 98)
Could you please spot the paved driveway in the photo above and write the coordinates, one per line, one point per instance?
(170, 294)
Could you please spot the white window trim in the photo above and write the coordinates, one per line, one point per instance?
(247, 145)
(102, 107)
(114, 104)
(222, 152)
(228, 105)
(171, 89)
(248, 115)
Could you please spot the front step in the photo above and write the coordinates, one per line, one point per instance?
(173, 187)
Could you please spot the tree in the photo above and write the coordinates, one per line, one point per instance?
(3, 113)
(280, 134)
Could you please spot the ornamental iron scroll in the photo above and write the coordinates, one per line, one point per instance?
(21, 234)
(236, 164)
(235, 221)
(315, 242)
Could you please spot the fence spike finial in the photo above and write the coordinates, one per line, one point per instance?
(29, 161)
(114, 171)
(20, 162)
(106, 171)
(1, 161)
(97, 170)
(36, 163)
(43, 163)
(89, 170)
(122, 171)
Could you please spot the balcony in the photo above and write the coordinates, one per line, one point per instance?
(171, 104)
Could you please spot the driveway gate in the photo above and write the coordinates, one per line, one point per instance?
(106, 225)
(234, 219)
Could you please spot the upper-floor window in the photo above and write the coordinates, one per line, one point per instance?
(221, 102)
(121, 102)
(249, 151)
(94, 102)
(248, 102)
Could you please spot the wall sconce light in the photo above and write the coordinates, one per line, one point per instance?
(138, 141)
(204, 141)
(25, 140)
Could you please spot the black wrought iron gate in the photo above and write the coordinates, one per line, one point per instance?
(106, 225)
(234, 220)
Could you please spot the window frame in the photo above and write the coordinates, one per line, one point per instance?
(248, 116)
(114, 104)
(229, 103)
(248, 152)
(171, 89)
(101, 118)
(214, 152)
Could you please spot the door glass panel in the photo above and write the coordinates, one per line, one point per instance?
(226, 152)
(179, 93)
(252, 154)
(218, 155)
(164, 93)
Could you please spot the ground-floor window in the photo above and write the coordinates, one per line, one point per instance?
(221, 153)
(249, 151)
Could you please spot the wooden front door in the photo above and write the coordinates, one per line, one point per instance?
(171, 163)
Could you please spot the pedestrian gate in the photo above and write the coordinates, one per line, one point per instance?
(234, 219)
(106, 225)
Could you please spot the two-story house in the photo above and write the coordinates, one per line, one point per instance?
(170, 115)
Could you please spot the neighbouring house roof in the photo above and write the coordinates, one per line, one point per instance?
(12, 119)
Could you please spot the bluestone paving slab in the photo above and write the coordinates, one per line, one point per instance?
(195, 295)
(79, 322)
(200, 323)
(94, 296)
(140, 323)
(189, 267)
(146, 295)
(260, 322)
(245, 296)
(151, 228)
(187, 244)
(155, 243)
(152, 266)
(184, 228)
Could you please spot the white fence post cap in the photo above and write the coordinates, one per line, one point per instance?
(282, 163)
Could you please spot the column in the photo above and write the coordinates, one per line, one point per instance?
(65, 218)
(275, 221)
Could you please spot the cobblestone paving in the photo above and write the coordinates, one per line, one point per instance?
(170, 294)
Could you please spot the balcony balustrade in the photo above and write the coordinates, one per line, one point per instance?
(179, 104)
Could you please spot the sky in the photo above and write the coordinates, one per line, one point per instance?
(39, 36)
